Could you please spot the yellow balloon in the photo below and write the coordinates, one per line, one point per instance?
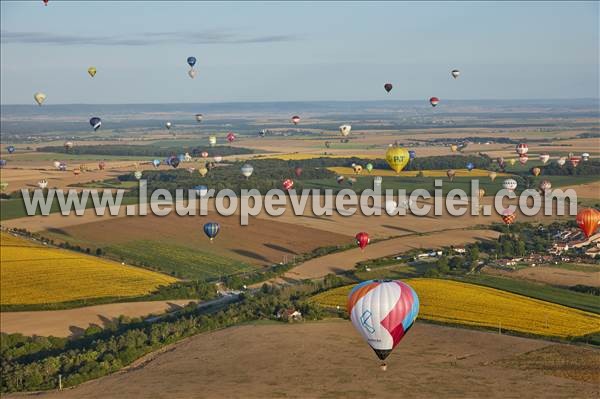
(203, 171)
(397, 157)
(92, 71)
(453, 148)
(512, 161)
(492, 175)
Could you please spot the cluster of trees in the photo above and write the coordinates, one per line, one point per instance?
(146, 150)
(34, 363)
(585, 168)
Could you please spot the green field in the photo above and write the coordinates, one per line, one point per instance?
(179, 261)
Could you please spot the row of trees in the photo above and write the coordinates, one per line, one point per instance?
(146, 150)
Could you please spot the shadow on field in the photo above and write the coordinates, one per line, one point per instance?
(58, 231)
(389, 226)
(76, 331)
(250, 254)
(280, 248)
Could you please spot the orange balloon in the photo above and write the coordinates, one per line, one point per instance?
(588, 220)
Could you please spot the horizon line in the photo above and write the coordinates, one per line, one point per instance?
(316, 101)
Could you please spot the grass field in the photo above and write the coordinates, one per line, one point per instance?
(35, 274)
(299, 156)
(459, 303)
(177, 260)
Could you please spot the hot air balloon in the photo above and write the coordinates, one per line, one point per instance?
(339, 179)
(3, 186)
(383, 311)
(247, 170)
(455, 73)
(362, 240)
(377, 181)
(2, 163)
(574, 160)
(212, 140)
(187, 157)
(585, 156)
(351, 181)
(218, 158)
(388, 87)
(101, 165)
(536, 171)
(561, 161)
(327, 144)
(45, 2)
(508, 217)
(42, 184)
(10, 149)
(230, 137)
(174, 161)
(201, 190)
(204, 154)
(412, 154)
(588, 220)
(39, 98)
(199, 118)
(56, 164)
(137, 174)
(512, 161)
(156, 163)
(68, 146)
(369, 167)
(470, 166)
(545, 186)
(262, 132)
(192, 73)
(76, 172)
(501, 163)
(287, 184)
(522, 148)
(191, 170)
(168, 125)
(295, 119)
(202, 170)
(434, 101)
(95, 122)
(191, 61)
(492, 175)
(298, 171)
(211, 229)
(62, 167)
(451, 173)
(523, 159)
(509, 184)
(391, 206)
(92, 71)
(357, 169)
(544, 158)
(481, 194)
(453, 147)
(397, 157)
(345, 130)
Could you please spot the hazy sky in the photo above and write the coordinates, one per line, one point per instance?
(297, 51)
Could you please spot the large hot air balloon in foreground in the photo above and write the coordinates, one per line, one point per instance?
(383, 311)
(397, 157)
(588, 220)
(211, 230)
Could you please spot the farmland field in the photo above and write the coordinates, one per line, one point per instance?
(453, 302)
(35, 274)
(324, 360)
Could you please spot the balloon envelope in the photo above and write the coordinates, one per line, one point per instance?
(96, 122)
(362, 240)
(191, 61)
(39, 97)
(211, 229)
(92, 71)
(388, 87)
(588, 220)
(455, 73)
(383, 311)
(397, 157)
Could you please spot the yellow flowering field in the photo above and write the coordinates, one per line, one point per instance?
(413, 173)
(32, 273)
(469, 304)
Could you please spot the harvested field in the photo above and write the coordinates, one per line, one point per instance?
(325, 360)
(341, 261)
(73, 322)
